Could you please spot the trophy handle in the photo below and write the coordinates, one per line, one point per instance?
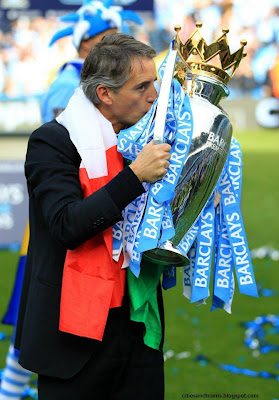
(163, 99)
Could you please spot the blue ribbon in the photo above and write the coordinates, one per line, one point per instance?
(204, 253)
(135, 137)
(230, 243)
(229, 186)
(216, 302)
(188, 272)
(167, 228)
(151, 226)
(224, 264)
(117, 239)
(188, 240)
(163, 190)
(237, 238)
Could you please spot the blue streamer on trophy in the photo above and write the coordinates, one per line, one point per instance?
(230, 200)
(188, 272)
(204, 252)
(216, 301)
(224, 264)
(224, 285)
(163, 190)
(187, 241)
(225, 246)
(117, 240)
(167, 229)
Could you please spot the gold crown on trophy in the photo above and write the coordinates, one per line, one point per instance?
(195, 54)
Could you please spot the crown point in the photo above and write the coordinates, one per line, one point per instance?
(197, 46)
(177, 28)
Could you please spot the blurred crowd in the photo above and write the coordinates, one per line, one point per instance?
(253, 20)
(28, 64)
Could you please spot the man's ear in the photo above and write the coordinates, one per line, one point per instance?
(104, 94)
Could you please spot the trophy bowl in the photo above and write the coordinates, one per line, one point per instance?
(207, 155)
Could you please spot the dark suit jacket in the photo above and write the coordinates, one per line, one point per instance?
(60, 219)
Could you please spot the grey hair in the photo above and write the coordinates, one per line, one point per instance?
(109, 63)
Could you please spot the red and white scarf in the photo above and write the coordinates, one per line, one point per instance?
(92, 281)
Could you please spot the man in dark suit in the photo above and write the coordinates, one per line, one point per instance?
(74, 326)
(101, 20)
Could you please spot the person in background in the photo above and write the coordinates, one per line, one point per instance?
(89, 25)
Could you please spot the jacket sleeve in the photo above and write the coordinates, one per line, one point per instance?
(52, 173)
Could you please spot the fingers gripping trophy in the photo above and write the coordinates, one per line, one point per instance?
(175, 223)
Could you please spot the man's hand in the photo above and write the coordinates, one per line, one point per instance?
(152, 162)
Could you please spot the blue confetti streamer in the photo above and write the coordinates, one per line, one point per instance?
(255, 340)
(203, 361)
(255, 334)
(30, 392)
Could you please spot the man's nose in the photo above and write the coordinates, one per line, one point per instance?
(152, 94)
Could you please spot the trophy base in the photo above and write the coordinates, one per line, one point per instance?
(167, 255)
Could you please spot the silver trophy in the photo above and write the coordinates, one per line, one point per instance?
(206, 85)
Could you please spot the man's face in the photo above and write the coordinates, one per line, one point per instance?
(136, 96)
